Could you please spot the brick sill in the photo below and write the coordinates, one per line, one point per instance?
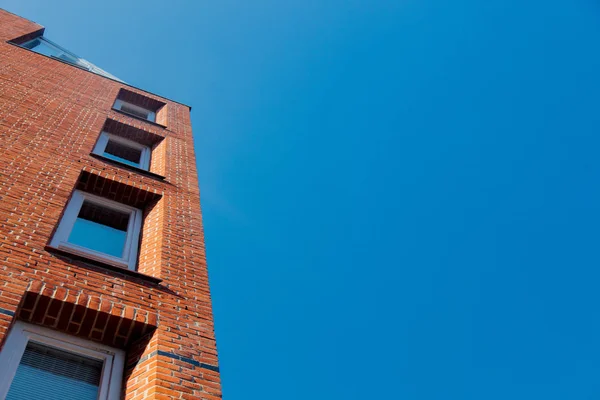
(139, 118)
(103, 265)
(129, 167)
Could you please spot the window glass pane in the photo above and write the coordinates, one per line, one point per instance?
(70, 59)
(138, 111)
(123, 153)
(101, 229)
(49, 373)
(40, 46)
(32, 44)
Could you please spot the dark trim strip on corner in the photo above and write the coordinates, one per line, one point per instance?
(106, 77)
(139, 118)
(188, 360)
(96, 263)
(129, 167)
(175, 357)
(7, 312)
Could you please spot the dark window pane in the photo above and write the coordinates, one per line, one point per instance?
(123, 153)
(32, 44)
(101, 229)
(134, 110)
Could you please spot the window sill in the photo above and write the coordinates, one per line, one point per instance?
(139, 118)
(104, 265)
(129, 167)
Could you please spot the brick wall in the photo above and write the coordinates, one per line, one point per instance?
(51, 115)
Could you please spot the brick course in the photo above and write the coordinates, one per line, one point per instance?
(51, 115)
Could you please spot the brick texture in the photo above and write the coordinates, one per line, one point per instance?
(51, 115)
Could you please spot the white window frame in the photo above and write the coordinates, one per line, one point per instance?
(105, 137)
(21, 333)
(60, 238)
(151, 114)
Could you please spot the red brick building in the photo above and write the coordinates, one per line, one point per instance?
(103, 279)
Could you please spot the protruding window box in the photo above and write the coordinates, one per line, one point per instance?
(100, 229)
(135, 110)
(123, 150)
(141, 107)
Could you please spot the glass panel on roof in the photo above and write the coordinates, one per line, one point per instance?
(46, 47)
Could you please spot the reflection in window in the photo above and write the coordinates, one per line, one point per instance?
(48, 48)
(136, 110)
(123, 153)
(101, 229)
(123, 150)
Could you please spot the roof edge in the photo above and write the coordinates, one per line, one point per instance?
(20, 16)
(41, 32)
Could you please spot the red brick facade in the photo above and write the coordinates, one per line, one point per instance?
(51, 115)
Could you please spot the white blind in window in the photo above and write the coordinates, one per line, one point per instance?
(48, 373)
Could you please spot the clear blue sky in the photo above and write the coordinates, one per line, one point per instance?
(401, 198)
